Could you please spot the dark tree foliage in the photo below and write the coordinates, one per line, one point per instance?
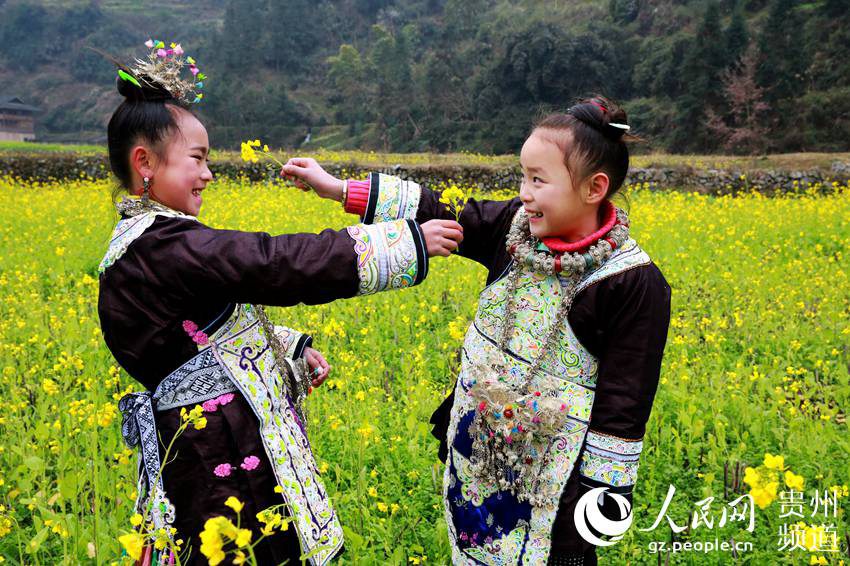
(784, 56)
(448, 75)
(23, 35)
(736, 37)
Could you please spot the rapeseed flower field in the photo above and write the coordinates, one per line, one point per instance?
(752, 402)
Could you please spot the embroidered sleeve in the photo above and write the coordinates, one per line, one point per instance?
(383, 198)
(293, 342)
(390, 255)
(610, 461)
(485, 223)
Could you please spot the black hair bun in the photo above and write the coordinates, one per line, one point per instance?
(146, 92)
(603, 115)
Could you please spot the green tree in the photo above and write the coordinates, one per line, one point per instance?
(349, 87)
(293, 35)
(389, 63)
(23, 33)
(784, 56)
(736, 36)
(623, 11)
(701, 68)
(241, 42)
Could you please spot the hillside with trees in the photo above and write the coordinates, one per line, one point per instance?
(732, 76)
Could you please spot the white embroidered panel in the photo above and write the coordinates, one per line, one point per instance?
(396, 199)
(241, 347)
(386, 256)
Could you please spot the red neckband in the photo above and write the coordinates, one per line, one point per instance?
(562, 246)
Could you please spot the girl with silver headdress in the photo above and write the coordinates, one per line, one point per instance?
(180, 307)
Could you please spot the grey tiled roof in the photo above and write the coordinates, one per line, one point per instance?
(15, 103)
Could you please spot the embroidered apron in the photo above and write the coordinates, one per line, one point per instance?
(487, 525)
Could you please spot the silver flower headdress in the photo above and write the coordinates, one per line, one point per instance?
(164, 68)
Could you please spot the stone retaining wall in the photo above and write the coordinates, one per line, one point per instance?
(60, 166)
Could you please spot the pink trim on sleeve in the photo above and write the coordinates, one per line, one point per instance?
(358, 196)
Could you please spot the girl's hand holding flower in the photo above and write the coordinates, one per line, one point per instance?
(442, 237)
(318, 366)
(306, 173)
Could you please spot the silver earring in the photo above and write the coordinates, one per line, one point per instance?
(146, 190)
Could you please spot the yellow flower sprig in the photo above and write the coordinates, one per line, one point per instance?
(134, 542)
(219, 532)
(455, 199)
(251, 152)
(764, 480)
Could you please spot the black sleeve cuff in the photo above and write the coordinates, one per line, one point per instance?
(421, 251)
(372, 203)
(304, 342)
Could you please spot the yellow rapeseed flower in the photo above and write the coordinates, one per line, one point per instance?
(234, 504)
(216, 530)
(772, 462)
(752, 477)
(794, 481)
(133, 544)
(764, 496)
(49, 386)
(248, 153)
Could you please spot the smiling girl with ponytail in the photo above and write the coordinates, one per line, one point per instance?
(561, 362)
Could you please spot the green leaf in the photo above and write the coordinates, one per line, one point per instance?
(37, 540)
(68, 486)
(353, 540)
(34, 463)
(128, 77)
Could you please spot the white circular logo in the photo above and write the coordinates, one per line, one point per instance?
(587, 512)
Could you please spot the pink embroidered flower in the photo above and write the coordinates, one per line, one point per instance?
(190, 327)
(225, 399)
(194, 70)
(223, 470)
(212, 405)
(178, 50)
(250, 463)
(149, 44)
(200, 338)
(162, 53)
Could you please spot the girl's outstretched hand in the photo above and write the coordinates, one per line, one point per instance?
(306, 173)
(318, 366)
(442, 237)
